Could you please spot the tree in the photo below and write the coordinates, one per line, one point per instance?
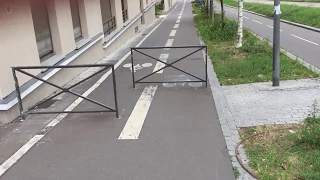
(211, 10)
(222, 13)
(240, 23)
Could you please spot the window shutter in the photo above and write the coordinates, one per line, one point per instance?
(76, 20)
(41, 27)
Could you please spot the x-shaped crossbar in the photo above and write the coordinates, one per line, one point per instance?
(64, 90)
(169, 64)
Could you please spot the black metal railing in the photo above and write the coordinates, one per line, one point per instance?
(109, 25)
(104, 67)
(166, 65)
(125, 15)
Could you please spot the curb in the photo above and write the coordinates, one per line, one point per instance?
(226, 120)
(282, 20)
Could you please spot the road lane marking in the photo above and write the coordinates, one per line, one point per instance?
(169, 42)
(305, 40)
(136, 120)
(159, 65)
(17, 155)
(176, 26)
(179, 17)
(257, 21)
(272, 28)
(246, 17)
(178, 21)
(173, 33)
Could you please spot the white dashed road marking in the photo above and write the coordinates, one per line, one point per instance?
(178, 21)
(246, 17)
(169, 42)
(173, 33)
(159, 65)
(176, 26)
(257, 21)
(304, 39)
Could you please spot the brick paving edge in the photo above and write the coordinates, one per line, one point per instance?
(229, 130)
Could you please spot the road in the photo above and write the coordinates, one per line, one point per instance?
(299, 41)
(165, 131)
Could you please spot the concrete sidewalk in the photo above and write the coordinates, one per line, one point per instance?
(164, 131)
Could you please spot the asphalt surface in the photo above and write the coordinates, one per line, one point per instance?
(301, 42)
(180, 139)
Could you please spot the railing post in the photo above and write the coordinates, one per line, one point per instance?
(206, 66)
(132, 71)
(16, 83)
(115, 91)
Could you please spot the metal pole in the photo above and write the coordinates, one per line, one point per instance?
(207, 66)
(115, 92)
(132, 70)
(16, 83)
(276, 44)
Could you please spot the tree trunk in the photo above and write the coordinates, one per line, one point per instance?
(240, 23)
(222, 14)
(211, 9)
(208, 8)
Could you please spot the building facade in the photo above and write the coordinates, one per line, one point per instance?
(65, 32)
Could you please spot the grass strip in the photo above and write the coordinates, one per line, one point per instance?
(309, 16)
(278, 154)
(249, 64)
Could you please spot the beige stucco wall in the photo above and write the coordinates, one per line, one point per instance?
(168, 4)
(133, 8)
(90, 16)
(18, 46)
(117, 11)
(150, 16)
(61, 26)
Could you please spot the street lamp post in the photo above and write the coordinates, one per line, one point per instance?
(276, 44)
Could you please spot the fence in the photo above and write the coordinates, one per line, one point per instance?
(24, 113)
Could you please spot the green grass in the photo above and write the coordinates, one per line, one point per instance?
(159, 8)
(236, 172)
(249, 64)
(302, 0)
(302, 161)
(304, 15)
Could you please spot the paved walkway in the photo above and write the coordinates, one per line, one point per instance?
(260, 103)
(165, 131)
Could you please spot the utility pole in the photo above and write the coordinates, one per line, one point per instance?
(276, 44)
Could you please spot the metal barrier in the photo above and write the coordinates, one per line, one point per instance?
(105, 67)
(199, 48)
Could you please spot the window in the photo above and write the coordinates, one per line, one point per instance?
(42, 29)
(124, 10)
(108, 21)
(76, 20)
